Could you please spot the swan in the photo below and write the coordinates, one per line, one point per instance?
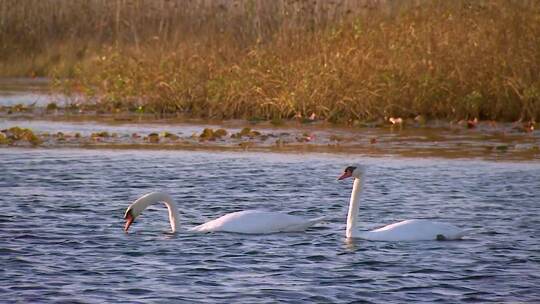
(408, 230)
(248, 221)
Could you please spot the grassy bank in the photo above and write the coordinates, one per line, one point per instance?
(275, 60)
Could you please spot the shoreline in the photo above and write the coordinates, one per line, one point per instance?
(487, 141)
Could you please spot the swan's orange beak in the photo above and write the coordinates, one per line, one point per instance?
(129, 220)
(345, 175)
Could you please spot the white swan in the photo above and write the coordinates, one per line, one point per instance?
(249, 221)
(409, 230)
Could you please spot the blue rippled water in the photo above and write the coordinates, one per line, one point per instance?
(61, 237)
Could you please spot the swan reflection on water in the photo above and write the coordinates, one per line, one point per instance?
(351, 244)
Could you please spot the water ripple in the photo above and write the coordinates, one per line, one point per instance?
(61, 238)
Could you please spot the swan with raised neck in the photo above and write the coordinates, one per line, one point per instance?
(408, 230)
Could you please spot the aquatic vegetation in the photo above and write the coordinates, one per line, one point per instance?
(19, 108)
(169, 135)
(220, 133)
(3, 139)
(450, 140)
(246, 132)
(207, 134)
(60, 136)
(102, 134)
(16, 134)
(51, 107)
(502, 148)
(153, 138)
(210, 134)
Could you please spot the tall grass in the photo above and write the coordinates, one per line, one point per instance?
(344, 61)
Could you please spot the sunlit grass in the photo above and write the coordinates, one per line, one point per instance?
(279, 60)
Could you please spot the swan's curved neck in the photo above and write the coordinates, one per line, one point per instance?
(156, 197)
(173, 215)
(352, 216)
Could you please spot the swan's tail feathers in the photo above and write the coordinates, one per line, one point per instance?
(463, 233)
(306, 224)
(318, 220)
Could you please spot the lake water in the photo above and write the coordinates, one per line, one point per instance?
(61, 238)
(27, 91)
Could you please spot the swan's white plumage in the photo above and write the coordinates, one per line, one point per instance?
(409, 230)
(249, 221)
(412, 230)
(256, 221)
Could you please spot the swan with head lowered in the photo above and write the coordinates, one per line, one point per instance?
(408, 230)
(248, 221)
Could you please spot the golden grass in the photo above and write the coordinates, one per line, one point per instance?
(342, 62)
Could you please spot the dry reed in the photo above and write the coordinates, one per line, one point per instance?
(342, 61)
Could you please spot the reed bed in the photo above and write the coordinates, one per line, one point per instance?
(344, 62)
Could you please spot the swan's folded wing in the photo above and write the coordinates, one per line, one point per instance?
(414, 230)
(256, 222)
(305, 224)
